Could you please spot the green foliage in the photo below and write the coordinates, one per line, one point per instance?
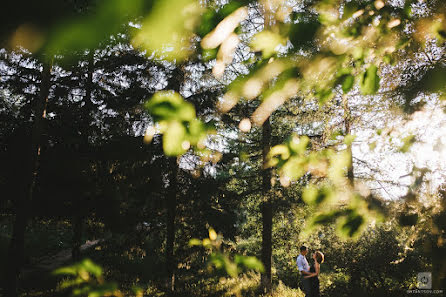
(82, 269)
(434, 80)
(303, 30)
(349, 222)
(209, 54)
(177, 122)
(348, 139)
(348, 83)
(351, 225)
(408, 141)
(168, 106)
(267, 42)
(222, 260)
(332, 42)
(249, 262)
(369, 81)
(166, 36)
(315, 196)
(212, 17)
(294, 160)
(86, 279)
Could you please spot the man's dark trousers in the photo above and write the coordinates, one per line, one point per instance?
(306, 285)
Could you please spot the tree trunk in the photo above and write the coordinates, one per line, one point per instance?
(174, 83)
(438, 267)
(17, 244)
(267, 213)
(171, 213)
(355, 276)
(438, 252)
(77, 235)
(89, 106)
(348, 130)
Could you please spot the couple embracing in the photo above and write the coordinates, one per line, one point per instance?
(309, 275)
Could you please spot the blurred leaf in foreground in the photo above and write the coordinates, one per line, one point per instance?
(168, 29)
(223, 261)
(369, 83)
(177, 121)
(95, 26)
(86, 278)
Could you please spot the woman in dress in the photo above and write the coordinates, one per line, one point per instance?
(318, 258)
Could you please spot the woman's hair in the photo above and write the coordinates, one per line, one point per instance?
(319, 257)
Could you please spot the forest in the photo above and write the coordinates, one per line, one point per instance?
(192, 147)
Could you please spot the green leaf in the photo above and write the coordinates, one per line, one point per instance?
(195, 129)
(77, 33)
(82, 291)
(408, 9)
(211, 18)
(347, 84)
(358, 53)
(173, 139)
(177, 121)
(208, 22)
(302, 34)
(434, 80)
(388, 59)
(207, 243)
(324, 95)
(309, 194)
(217, 260)
(349, 9)
(325, 218)
(230, 8)
(68, 283)
(339, 164)
(194, 242)
(249, 262)
(209, 54)
(168, 105)
(281, 151)
(267, 42)
(407, 143)
(70, 270)
(102, 290)
(299, 145)
(294, 168)
(369, 82)
(348, 139)
(231, 268)
(222, 262)
(314, 196)
(168, 29)
(91, 267)
(335, 134)
(350, 226)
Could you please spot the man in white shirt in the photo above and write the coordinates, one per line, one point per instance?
(304, 269)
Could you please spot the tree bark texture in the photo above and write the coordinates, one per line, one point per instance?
(24, 199)
(267, 213)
